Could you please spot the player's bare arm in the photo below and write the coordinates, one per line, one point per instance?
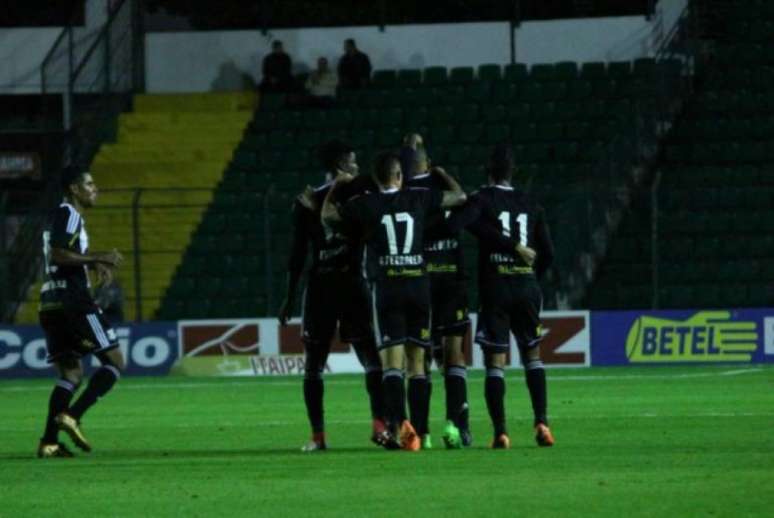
(63, 257)
(330, 212)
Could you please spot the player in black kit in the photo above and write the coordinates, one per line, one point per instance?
(335, 295)
(510, 295)
(73, 324)
(391, 223)
(448, 295)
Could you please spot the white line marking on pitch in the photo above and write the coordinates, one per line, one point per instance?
(333, 381)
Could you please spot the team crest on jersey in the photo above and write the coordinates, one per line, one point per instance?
(424, 334)
(87, 344)
(386, 338)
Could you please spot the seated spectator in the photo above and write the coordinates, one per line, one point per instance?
(354, 67)
(322, 84)
(276, 70)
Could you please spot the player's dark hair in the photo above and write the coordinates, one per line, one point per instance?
(71, 174)
(501, 163)
(383, 165)
(332, 152)
(350, 41)
(276, 44)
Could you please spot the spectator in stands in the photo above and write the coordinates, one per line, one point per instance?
(354, 67)
(276, 70)
(322, 84)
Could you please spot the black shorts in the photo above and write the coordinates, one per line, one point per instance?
(401, 309)
(75, 334)
(449, 296)
(333, 300)
(509, 306)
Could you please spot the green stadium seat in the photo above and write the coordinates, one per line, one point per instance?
(451, 94)
(580, 89)
(593, 71)
(518, 112)
(543, 72)
(462, 75)
(515, 72)
(645, 68)
(409, 77)
(504, 92)
(470, 134)
(489, 72)
(414, 118)
(435, 76)
(566, 70)
(494, 133)
(272, 102)
(619, 69)
(466, 113)
(493, 113)
(459, 155)
(441, 115)
(389, 137)
(479, 92)
(440, 135)
(384, 78)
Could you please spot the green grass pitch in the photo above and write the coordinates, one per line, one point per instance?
(630, 441)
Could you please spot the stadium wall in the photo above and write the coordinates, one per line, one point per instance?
(22, 50)
(224, 60)
(260, 347)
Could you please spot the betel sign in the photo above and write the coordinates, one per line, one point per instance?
(631, 337)
(148, 349)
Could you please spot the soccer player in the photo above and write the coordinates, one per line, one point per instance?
(73, 324)
(391, 223)
(448, 296)
(509, 293)
(335, 295)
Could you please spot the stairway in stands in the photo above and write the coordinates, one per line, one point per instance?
(175, 149)
(716, 195)
(559, 117)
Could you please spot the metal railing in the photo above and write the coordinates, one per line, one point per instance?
(95, 73)
(624, 168)
(161, 231)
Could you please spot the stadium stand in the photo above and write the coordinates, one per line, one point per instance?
(170, 154)
(558, 116)
(715, 202)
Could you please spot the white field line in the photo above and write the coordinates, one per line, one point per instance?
(258, 423)
(333, 381)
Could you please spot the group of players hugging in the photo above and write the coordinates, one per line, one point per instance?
(386, 272)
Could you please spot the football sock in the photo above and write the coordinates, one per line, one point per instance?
(418, 403)
(100, 384)
(456, 394)
(535, 375)
(57, 403)
(373, 379)
(494, 390)
(394, 391)
(313, 398)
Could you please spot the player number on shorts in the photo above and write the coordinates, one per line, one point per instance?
(505, 221)
(392, 238)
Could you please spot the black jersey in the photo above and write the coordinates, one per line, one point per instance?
(392, 226)
(517, 216)
(332, 251)
(443, 253)
(65, 287)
